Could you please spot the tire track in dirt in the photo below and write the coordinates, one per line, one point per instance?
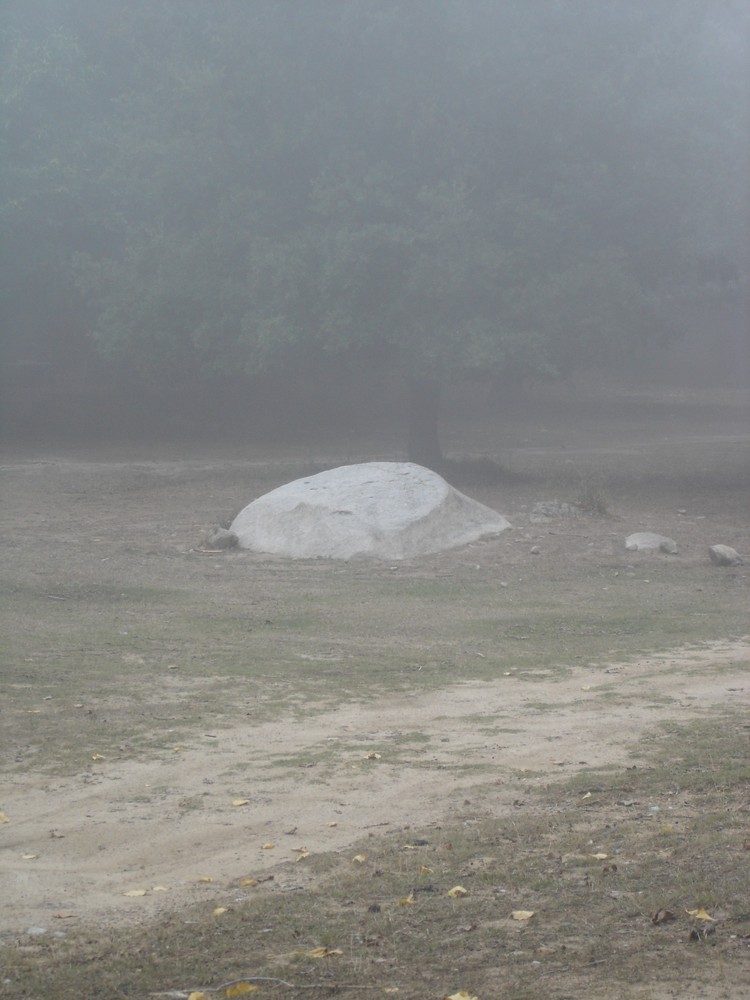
(170, 820)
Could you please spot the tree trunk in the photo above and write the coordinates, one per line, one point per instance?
(424, 409)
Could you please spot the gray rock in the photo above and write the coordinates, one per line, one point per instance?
(220, 538)
(383, 510)
(650, 541)
(724, 555)
(545, 509)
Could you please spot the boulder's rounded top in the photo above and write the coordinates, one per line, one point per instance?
(388, 510)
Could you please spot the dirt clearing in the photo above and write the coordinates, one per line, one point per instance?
(174, 721)
(131, 825)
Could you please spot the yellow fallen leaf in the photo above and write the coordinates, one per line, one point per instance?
(323, 952)
(205, 879)
(700, 914)
(301, 856)
(456, 891)
(424, 870)
(136, 892)
(4, 818)
(522, 914)
(29, 857)
(360, 858)
(586, 687)
(248, 881)
(240, 802)
(334, 823)
(240, 989)
(160, 888)
(301, 850)
(373, 756)
(219, 910)
(600, 857)
(667, 828)
(198, 996)
(407, 900)
(461, 995)
(268, 847)
(586, 796)
(179, 749)
(98, 756)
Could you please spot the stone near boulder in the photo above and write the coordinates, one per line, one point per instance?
(724, 555)
(220, 538)
(384, 510)
(546, 509)
(650, 541)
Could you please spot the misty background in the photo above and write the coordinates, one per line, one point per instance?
(237, 216)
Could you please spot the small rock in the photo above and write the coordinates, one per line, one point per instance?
(535, 550)
(545, 509)
(650, 541)
(220, 538)
(724, 555)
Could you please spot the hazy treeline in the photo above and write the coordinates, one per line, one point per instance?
(211, 194)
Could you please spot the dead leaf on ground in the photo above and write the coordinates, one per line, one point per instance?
(360, 858)
(461, 995)
(700, 914)
(4, 818)
(136, 892)
(241, 989)
(407, 900)
(323, 952)
(457, 891)
(240, 802)
(522, 914)
(373, 756)
(219, 910)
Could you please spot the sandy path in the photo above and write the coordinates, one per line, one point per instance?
(167, 821)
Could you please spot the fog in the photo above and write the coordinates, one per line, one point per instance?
(234, 217)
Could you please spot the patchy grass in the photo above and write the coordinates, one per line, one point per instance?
(609, 863)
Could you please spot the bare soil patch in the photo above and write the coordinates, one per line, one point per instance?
(324, 782)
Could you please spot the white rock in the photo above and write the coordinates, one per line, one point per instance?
(650, 541)
(724, 555)
(384, 510)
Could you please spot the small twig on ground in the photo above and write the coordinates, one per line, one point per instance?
(183, 994)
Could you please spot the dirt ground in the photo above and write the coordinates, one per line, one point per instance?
(95, 839)
(83, 831)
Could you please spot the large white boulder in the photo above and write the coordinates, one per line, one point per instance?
(384, 510)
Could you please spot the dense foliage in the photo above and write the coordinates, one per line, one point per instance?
(437, 188)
